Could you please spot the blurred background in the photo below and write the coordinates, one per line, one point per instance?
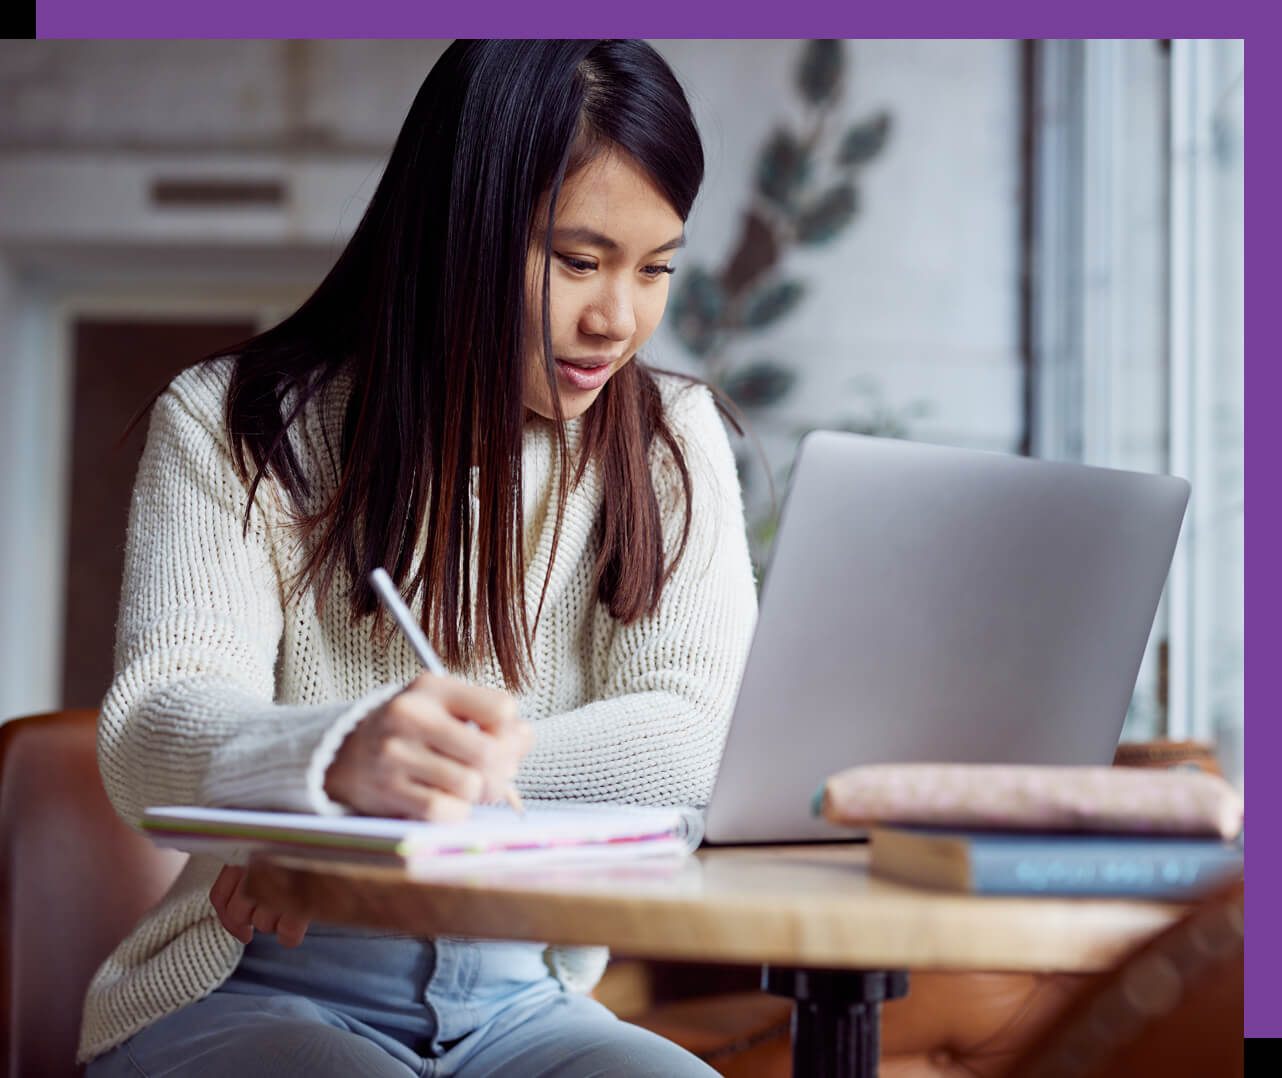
(1029, 247)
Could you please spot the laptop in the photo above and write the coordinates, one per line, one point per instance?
(932, 604)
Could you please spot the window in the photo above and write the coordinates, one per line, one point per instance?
(1137, 307)
(1206, 372)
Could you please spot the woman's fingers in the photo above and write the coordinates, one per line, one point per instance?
(412, 760)
(223, 888)
(490, 709)
(240, 910)
(230, 905)
(437, 805)
(440, 712)
(291, 930)
(427, 743)
(391, 792)
(420, 802)
(240, 915)
(420, 718)
(263, 919)
(431, 751)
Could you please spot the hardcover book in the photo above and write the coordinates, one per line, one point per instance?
(1024, 863)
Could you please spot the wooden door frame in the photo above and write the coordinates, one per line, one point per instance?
(34, 509)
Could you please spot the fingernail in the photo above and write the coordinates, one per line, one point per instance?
(817, 802)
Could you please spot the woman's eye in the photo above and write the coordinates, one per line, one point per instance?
(658, 270)
(582, 265)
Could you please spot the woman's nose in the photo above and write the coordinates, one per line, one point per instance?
(611, 314)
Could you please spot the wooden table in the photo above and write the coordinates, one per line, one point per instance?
(826, 933)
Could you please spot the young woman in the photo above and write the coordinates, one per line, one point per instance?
(461, 402)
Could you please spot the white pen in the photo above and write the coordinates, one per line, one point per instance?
(418, 641)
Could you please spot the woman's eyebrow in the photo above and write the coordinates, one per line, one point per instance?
(596, 239)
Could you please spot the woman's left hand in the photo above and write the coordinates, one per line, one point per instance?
(240, 914)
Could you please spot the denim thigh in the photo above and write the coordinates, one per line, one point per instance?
(350, 1002)
(226, 1035)
(343, 1002)
(567, 1036)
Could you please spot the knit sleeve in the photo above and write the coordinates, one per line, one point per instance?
(666, 684)
(189, 717)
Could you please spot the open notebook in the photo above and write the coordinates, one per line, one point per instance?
(493, 834)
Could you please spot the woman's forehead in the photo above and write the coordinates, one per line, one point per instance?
(612, 203)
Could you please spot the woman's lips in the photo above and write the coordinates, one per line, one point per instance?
(584, 377)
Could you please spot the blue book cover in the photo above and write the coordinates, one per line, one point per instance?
(1023, 863)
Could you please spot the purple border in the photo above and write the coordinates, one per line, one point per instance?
(587, 18)
(816, 18)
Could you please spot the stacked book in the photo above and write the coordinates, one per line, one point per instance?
(1020, 830)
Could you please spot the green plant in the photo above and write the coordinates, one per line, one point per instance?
(805, 194)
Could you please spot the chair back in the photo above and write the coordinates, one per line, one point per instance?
(74, 879)
(1174, 1007)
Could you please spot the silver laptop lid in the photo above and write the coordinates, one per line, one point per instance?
(926, 603)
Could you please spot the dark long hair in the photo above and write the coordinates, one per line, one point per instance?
(424, 311)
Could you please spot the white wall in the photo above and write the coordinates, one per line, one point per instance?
(921, 292)
(918, 295)
(210, 96)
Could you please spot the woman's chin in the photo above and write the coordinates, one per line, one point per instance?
(573, 404)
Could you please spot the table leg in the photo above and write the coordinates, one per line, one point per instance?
(836, 1017)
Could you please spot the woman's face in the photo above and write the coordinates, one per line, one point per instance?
(612, 248)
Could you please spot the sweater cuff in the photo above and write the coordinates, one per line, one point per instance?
(327, 748)
(288, 775)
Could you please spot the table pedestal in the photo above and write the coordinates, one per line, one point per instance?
(836, 1017)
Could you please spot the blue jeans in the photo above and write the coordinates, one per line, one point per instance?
(350, 1003)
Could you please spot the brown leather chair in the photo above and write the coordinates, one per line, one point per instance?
(1173, 1008)
(73, 881)
(950, 1025)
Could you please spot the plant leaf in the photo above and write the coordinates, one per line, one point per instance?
(783, 168)
(773, 302)
(864, 141)
(760, 384)
(828, 215)
(696, 309)
(755, 253)
(819, 73)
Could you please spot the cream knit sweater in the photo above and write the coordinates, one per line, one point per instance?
(226, 695)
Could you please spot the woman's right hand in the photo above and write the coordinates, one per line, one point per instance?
(431, 752)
